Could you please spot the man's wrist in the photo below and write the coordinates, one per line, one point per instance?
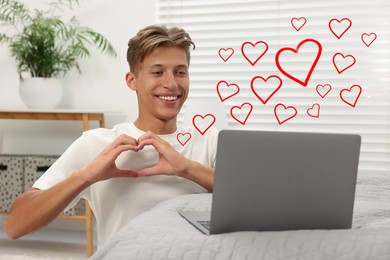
(82, 178)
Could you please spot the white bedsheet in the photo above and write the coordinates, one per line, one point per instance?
(162, 233)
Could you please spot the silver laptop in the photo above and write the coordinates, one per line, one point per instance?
(270, 181)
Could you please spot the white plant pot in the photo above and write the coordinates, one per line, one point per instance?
(43, 93)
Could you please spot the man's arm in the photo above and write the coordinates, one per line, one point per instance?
(36, 208)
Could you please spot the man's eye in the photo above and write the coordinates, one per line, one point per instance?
(157, 73)
(181, 73)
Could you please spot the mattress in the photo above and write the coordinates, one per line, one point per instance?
(161, 233)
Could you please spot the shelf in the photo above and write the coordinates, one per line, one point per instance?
(85, 116)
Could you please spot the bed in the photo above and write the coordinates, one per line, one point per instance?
(161, 233)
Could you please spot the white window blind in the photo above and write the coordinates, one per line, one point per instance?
(216, 24)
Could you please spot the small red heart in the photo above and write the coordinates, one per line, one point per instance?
(314, 111)
(342, 63)
(351, 96)
(225, 54)
(247, 110)
(227, 90)
(298, 23)
(339, 27)
(280, 111)
(183, 138)
(368, 39)
(272, 83)
(323, 90)
(260, 44)
(203, 123)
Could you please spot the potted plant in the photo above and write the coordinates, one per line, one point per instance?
(46, 47)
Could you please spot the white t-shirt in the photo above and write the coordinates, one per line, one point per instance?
(116, 201)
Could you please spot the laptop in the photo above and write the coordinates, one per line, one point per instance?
(274, 181)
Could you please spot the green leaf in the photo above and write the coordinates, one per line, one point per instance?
(45, 45)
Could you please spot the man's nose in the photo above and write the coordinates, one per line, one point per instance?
(170, 81)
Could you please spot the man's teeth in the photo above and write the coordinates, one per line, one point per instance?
(168, 98)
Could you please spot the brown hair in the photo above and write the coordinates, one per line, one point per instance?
(152, 37)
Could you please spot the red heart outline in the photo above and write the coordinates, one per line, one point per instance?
(314, 108)
(187, 137)
(296, 51)
(240, 107)
(285, 108)
(293, 20)
(227, 85)
(334, 63)
(339, 21)
(225, 50)
(364, 35)
(349, 91)
(203, 117)
(253, 45)
(265, 80)
(323, 87)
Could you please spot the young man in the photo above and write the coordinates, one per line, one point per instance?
(127, 170)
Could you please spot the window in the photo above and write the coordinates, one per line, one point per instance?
(358, 100)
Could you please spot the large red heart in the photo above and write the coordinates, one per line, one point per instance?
(226, 90)
(295, 51)
(203, 123)
(272, 83)
(246, 108)
(262, 46)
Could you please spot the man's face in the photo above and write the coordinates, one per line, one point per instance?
(162, 83)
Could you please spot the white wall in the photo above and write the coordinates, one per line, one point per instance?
(101, 86)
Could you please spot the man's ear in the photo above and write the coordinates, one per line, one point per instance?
(130, 80)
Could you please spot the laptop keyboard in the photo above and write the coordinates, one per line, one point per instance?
(205, 224)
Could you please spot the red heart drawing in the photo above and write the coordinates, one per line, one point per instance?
(351, 96)
(368, 39)
(283, 113)
(339, 27)
(263, 47)
(183, 138)
(273, 83)
(314, 111)
(323, 90)
(342, 63)
(235, 112)
(203, 123)
(226, 91)
(225, 54)
(295, 51)
(298, 23)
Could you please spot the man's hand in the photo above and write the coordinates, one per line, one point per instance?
(103, 167)
(170, 162)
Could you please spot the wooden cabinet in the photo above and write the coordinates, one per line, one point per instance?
(64, 115)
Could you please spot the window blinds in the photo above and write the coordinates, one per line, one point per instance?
(347, 91)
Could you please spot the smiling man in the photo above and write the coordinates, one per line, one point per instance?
(130, 168)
